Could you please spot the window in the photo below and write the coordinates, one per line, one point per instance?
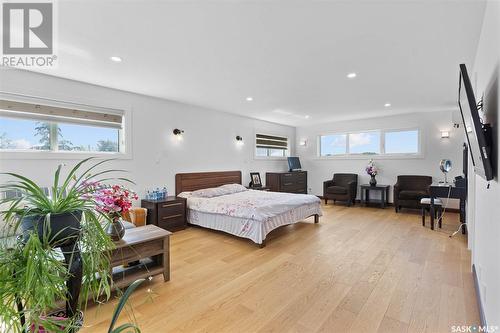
(271, 146)
(32, 127)
(376, 142)
(367, 143)
(401, 142)
(23, 134)
(331, 145)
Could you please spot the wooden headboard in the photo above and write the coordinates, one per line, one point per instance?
(199, 180)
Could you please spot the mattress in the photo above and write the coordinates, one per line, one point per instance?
(251, 214)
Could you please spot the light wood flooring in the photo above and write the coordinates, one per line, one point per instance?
(358, 270)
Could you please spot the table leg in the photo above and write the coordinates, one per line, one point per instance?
(431, 212)
(166, 259)
(382, 199)
(367, 196)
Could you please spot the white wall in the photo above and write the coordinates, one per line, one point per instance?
(208, 144)
(484, 206)
(434, 149)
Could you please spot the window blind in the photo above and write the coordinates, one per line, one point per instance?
(271, 142)
(108, 118)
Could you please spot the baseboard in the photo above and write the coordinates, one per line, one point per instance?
(482, 316)
(391, 204)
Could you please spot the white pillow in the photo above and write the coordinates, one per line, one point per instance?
(233, 188)
(218, 191)
(209, 192)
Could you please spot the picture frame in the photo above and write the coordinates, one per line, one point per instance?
(256, 181)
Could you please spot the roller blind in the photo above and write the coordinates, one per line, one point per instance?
(107, 118)
(271, 142)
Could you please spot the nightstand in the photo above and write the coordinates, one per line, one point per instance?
(169, 213)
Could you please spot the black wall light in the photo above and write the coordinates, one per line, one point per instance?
(178, 131)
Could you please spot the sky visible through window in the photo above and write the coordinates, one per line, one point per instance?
(401, 142)
(369, 143)
(33, 135)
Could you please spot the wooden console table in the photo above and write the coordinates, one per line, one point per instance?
(149, 245)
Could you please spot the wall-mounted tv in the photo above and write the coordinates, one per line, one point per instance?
(478, 134)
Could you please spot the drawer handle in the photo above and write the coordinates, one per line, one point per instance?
(286, 184)
(287, 174)
(171, 217)
(171, 205)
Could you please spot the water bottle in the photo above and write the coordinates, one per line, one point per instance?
(165, 193)
(148, 195)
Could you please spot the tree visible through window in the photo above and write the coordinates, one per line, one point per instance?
(22, 134)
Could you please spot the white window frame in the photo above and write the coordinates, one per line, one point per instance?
(271, 157)
(382, 154)
(125, 143)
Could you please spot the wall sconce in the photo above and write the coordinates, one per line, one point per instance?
(303, 143)
(445, 134)
(239, 140)
(178, 133)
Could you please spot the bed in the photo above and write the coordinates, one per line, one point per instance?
(218, 201)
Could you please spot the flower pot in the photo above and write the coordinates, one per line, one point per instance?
(116, 229)
(373, 181)
(55, 229)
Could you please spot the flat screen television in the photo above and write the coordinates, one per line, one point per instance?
(294, 163)
(478, 135)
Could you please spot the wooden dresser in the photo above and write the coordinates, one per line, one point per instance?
(291, 182)
(169, 214)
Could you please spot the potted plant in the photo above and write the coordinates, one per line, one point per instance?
(372, 171)
(62, 252)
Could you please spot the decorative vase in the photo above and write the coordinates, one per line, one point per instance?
(373, 181)
(116, 229)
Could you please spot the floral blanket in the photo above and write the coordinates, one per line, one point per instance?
(250, 204)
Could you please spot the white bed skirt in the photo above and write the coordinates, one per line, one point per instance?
(249, 228)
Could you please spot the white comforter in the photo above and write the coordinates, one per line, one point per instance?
(250, 204)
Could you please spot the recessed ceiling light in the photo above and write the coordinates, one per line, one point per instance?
(351, 75)
(387, 105)
(116, 59)
(306, 116)
(249, 99)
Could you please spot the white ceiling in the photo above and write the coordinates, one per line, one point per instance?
(292, 57)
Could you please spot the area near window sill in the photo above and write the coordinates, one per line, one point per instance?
(52, 155)
(374, 157)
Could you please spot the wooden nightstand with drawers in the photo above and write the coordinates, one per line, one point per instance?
(169, 213)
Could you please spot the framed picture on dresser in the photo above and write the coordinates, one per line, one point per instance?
(255, 179)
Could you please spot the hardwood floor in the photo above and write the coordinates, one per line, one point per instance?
(358, 270)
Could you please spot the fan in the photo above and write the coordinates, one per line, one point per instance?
(445, 166)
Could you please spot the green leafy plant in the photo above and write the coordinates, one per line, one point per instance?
(119, 308)
(32, 272)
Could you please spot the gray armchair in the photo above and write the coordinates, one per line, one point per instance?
(343, 187)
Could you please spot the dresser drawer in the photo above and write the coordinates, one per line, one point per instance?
(172, 223)
(170, 208)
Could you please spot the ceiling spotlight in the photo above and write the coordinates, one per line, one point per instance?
(351, 75)
(307, 116)
(387, 105)
(116, 59)
(249, 99)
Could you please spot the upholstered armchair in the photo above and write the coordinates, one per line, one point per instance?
(409, 190)
(343, 187)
